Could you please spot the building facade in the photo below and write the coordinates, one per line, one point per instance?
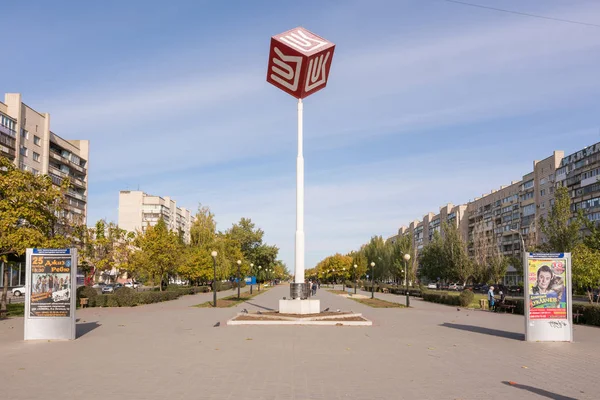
(138, 210)
(505, 216)
(27, 140)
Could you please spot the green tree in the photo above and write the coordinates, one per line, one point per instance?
(458, 264)
(377, 252)
(247, 236)
(561, 230)
(586, 268)
(432, 259)
(360, 260)
(159, 252)
(196, 264)
(30, 209)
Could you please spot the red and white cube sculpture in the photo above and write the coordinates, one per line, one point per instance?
(299, 62)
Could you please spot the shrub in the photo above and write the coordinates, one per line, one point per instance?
(126, 297)
(86, 291)
(111, 301)
(99, 301)
(590, 314)
(441, 298)
(465, 298)
(235, 284)
(223, 286)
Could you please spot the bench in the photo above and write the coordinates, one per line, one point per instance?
(506, 306)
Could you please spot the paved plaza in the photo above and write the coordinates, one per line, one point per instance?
(173, 351)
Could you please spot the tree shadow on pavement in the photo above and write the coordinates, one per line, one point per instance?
(85, 327)
(264, 308)
(486, 331)
(538, 391)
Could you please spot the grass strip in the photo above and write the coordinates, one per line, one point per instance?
(232, 300)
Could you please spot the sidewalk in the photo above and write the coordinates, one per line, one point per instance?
(172, 350)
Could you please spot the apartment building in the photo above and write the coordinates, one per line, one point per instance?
(498, 217)
(27, 140)
(138, 210)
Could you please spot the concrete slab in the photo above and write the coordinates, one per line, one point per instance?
(297, 306)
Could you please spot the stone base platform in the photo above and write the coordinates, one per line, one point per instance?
(325, 318)
(301, 307)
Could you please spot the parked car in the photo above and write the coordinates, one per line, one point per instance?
(111, 288)
(431, 286)
(132, 285)
(18, 291)
(515, 289)
(99, 285)
(455, 286)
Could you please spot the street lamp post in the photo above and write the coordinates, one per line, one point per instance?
(258, 277)
(355, 278)
(214, 257)
(251, 271)
(343, 278)
(239, 263)
(406, 258)
(372, 280)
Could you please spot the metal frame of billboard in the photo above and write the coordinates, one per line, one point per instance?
(548, 325)
(51, 314)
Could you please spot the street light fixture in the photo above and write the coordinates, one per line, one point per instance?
(251, 271)
(355, 277)
(214, 257)
(239, 283)
(406, 258)
(258, 277)
(372, 280)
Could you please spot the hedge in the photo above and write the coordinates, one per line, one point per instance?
(126, 297)
(441, 298)
(589, 313)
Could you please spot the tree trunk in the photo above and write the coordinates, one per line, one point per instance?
(4, 289)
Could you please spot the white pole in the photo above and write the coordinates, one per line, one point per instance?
(299, 267)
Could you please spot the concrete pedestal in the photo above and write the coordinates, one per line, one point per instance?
(298, 306)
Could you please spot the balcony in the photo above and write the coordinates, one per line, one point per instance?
(8, 131)
(8, 141)
(68, 162)
(62, 174)
(5, 151)
(76, 195)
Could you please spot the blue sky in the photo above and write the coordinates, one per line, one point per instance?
(428, 102)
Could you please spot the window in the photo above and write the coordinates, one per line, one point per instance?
(543, 181)
(23, 151)
(529, 210)
(36, 157)
(527, 196)
(37, 141)
(7, 122)
(528, 184)
(35, 171)
(543, 204)
(543, 192)
(24, 133)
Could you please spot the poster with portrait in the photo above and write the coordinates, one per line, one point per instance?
(50, 286)
(547, 287)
